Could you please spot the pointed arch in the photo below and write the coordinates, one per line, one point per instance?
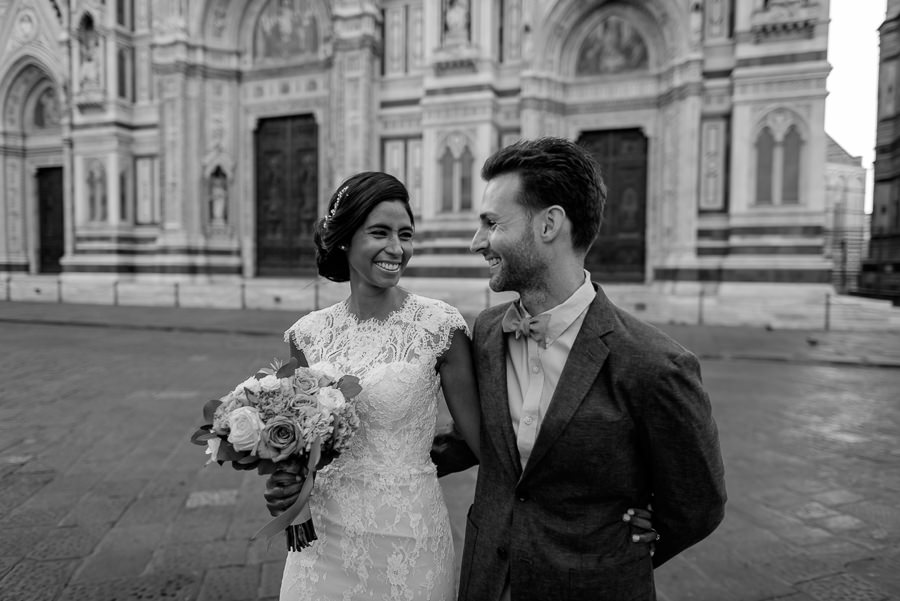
(18, 90)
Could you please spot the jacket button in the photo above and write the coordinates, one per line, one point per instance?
(522, 499)
(502, 553)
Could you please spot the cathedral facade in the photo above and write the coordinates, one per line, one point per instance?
(204, 137)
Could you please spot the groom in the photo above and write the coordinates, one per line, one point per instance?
(586, 410)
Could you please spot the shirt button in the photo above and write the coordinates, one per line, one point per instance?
(535, 369)
(529, 420)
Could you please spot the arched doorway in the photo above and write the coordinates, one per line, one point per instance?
(32, 159)
(619, 253)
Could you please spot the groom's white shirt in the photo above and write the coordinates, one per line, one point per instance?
(532, 371)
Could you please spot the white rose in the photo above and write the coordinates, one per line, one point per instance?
(251, 384)
(245, 426)
(270, 384)
(212, 449)
(330, 399)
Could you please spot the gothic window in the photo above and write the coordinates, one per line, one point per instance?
(466, 161)
(447, 181)
(125, 71)
(403, 41)
(456, 166)
(402, 158)
(779, 160)
(790, 192)
(614, 46)
(125, 14)
(125, 196)
(765, 146)
(96, 192)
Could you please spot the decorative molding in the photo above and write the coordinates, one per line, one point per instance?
(782, 20)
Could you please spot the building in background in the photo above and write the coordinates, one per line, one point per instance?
(846, 225)
(203, 137)
(881, 270)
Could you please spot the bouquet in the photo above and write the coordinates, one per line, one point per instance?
(284, 416)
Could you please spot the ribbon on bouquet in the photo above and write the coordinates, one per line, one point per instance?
(300, 508)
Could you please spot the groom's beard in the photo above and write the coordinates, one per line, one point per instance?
(521, 268)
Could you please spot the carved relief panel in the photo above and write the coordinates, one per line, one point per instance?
(615, 46)
(712, 177)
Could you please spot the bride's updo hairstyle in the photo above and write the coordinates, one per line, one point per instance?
(348, 208)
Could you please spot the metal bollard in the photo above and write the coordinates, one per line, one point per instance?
(115, 293)
(827, 311)
(177, 300)
(59, 295)
(243, 295)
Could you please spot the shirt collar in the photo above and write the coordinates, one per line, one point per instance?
(563, 315)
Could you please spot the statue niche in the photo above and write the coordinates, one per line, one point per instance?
(218, 198)
(613, 47)
(286, 29)
(89, 67)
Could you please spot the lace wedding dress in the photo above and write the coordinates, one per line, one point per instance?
(378, 510)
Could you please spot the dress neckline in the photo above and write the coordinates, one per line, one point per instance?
(345, 305)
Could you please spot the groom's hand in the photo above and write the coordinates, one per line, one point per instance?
(283, 487)
(451, 454)
(642, 530)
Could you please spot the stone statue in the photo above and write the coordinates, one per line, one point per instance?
(456, 21)
(218, 198)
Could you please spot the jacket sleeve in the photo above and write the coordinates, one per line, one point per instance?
(682, 440)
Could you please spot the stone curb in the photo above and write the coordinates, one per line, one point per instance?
(864, 361)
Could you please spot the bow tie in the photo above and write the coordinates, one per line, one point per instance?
(514, 322)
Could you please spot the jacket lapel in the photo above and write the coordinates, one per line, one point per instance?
(494, 394)
(585, 361)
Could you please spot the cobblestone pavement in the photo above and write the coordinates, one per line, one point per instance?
(102, 497)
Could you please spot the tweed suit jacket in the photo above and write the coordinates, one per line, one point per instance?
(629, 424)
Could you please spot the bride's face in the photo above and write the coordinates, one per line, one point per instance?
(381, 248)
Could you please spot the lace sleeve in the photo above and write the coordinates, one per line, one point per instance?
(298, 334)
(448, 320)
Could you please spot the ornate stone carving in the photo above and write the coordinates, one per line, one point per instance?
(615, 46)
(457, 23)
(26, 28)
(712, 177)
(716, 23)
(47, 111)
(14, 235)
(219, 18)
(784, 19)
(286, 30)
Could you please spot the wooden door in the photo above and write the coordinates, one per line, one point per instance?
(619, 253)
(50, 218)
(287, 187)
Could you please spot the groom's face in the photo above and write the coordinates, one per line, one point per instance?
(506, 237)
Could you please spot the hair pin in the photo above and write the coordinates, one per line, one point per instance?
(337, 203)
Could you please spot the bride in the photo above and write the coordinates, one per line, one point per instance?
(379, 513)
